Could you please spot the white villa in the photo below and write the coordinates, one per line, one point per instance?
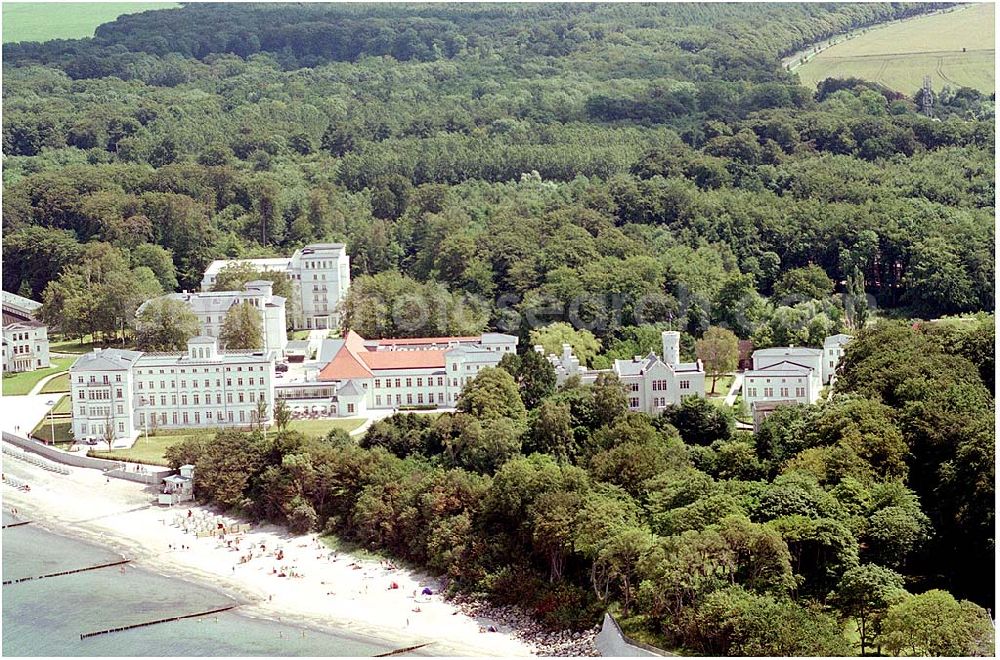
(211, 306)
(790, 375)
(320, 274)
(132, 392)
(652, 383)
(25, 341)
(362, 374)
(25, 346)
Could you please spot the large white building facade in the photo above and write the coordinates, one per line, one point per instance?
(392, 374)
(25, 341)
(25, 346)
(320, 275)
(124, 393)
(211, 306)
(651, 383)
(790, 375)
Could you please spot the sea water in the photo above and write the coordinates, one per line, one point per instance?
(46, 617)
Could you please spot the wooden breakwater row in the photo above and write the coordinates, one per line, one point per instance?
(70, 572)
(153, 623)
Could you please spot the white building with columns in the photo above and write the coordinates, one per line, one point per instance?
(211, 306)
(651, 383)
(129, 392)
(25, 346)
(320, 274)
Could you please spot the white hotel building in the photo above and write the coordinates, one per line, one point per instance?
(320, 274)
(395, 373)
(651, 383)
(132, 392)
(211, 306)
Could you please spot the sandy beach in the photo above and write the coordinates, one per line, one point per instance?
(345, 592)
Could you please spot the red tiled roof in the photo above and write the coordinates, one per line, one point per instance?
(345, 364)
(403, 359)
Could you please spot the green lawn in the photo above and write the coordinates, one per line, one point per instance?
(721, 386)
(145, 450)
(320, 427)
(65, 405)
(21, 383)
(899, 55)
(56, 385)
(63, 429)
(37, 21)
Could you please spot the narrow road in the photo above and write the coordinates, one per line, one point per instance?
(734, 391)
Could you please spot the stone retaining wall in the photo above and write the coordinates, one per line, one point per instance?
(111, 468)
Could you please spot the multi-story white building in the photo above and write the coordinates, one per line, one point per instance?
(25, 341)
(320, 274)
(130, 392)
(396, 373)
(211, 306)
(833, 351)
(790, 375)
(25, 346)
(651, 383)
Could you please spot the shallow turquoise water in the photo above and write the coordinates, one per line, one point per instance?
(46, 617)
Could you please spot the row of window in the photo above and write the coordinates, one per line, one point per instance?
(409, 382)
(149, 372)
(205, 383)
(409, 399)
(800, 392)
(24, 349)
(98, 429)
(196, 399)
(99, 395)
(104, 379)
(185, 418)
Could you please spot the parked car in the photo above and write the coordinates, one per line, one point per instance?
(281, 367)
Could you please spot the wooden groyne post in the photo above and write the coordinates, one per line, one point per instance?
(402, 651)
(75, 570)
(17, 524)
(153, 623)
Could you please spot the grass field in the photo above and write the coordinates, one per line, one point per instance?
(65, 405)
(41, 21)
(144, 450)
(56, 385)
(900, 54)
(21, 383)
(320, 427)
(63, 429)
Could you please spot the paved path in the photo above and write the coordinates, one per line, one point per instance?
(734, 390)
(20, 414)
(40, 384)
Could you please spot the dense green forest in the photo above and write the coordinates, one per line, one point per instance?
(845, 527)
(511, 156)
(622, 167)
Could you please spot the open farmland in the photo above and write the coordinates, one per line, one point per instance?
(899, 55)
(41, 21)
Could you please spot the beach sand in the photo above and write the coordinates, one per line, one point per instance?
(347, 593)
